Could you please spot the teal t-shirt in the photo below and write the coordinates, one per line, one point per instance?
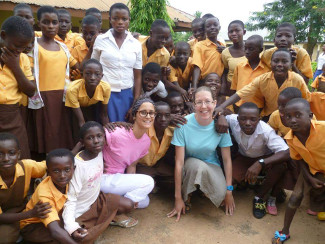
(200, 142)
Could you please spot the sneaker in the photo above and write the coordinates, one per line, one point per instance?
(259, 208)
(271, 207)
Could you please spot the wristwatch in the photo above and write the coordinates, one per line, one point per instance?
(230, 188)
(261, 161)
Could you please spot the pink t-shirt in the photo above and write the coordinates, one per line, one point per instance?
(123, 149)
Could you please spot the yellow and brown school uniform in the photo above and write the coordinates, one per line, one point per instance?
(230, 63)
(13, 198)
(313, 153)
(71, 40)
(51, 127)
(243, 75)
(302, 62)
(79, 52)
(152, 164)
(77, 97)
(182, 77)
(10, 96)
(319, 79)
(34, 229)
(160, 56)
(317, 104)
(207, 58)
(192, 44)
(265, 88)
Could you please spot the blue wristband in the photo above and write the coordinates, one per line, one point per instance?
(230, 188)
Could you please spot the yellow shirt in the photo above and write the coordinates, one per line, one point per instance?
(183, 78)
(77, 96)
(313, 152)
(207, 58)
(265, 88)
(46, 192)
(52, 67)
(160, 56)
(318, 79)
(230, 63)
(302, 62)
(276, 123)
(9, 90)
(71, 40)
(33, 169)
(79, 52)
(243, 75)
(157, 150)
(192, 44)
(317, 104)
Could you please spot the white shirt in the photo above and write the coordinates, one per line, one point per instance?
(84, 189)
(320, 61)
(118, 63)
(263, 141)
(159, 89)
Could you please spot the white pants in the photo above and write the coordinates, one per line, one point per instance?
(133, 186)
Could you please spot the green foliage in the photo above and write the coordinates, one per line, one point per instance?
(181, 36)
(198, 14)
(314, 66)
(144, 12)
(307, 15)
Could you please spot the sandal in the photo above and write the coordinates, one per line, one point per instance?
(279, 237)
(127, 223)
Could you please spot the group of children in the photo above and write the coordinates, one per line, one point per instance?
(54, 85)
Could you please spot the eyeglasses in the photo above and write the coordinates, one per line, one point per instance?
(200, 103)
(144, 113)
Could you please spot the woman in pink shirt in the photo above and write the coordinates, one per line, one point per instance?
(121, 154)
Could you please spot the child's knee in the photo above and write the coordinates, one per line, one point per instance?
(295, 200)
(126, 205)
(149, 183)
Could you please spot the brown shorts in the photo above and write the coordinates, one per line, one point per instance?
(9, 233)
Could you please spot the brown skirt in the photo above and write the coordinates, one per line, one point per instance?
(11, 121)
(99, 216)
(49, 127)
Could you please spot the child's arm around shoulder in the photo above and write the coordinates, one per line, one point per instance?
(40, 210)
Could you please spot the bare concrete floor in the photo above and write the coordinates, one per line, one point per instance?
(207, 224)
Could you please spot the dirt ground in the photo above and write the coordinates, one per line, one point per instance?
(207, 224)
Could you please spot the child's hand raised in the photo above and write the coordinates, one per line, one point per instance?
(9, 58)
(79, 234)
(41, 210)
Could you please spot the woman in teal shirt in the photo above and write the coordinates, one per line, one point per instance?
(197, 160)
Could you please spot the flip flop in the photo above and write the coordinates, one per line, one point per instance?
(127, 223)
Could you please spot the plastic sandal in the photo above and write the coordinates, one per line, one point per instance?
(279, 237)
(127, 223)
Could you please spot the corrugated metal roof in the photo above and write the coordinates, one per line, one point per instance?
(102, 5)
